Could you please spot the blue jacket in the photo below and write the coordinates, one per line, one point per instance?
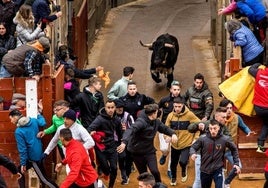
(29, 146)
(253, 9)
(251, 48)
(41, 10)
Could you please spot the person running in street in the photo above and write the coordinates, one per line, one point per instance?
(119, 88)
(200, 98)
(82, 173)
(139, 139)
(146, 180)
(109, 127)
(212, 147)
(179, 120)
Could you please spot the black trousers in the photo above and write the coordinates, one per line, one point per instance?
(40, 171)
(263, 114)
(108, 163)
(147, 160)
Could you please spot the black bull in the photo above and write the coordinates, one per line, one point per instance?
(164, 57)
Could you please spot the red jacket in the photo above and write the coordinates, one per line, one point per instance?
(261, 88)
(266, 166)
(81, 171)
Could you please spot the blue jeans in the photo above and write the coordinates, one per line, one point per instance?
(197, 164)
(232, 173)
(217, 176)
(4, 73)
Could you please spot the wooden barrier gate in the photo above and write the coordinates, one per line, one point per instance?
(50, 89)
(252, 162)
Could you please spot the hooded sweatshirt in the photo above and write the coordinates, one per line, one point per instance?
(29, 146)
(140, 136)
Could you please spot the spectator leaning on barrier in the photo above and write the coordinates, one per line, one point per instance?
(26, 60)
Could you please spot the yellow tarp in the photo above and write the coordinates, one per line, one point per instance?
(240, 90)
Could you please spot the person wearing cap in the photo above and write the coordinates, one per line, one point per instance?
(26, 60)
(179, 120)
(166, 106)
(200, 98)
(202, 127)
(124, 159)
(29, 146)
(79, 133)
(139, 139)
(119, 88)
(18, 101)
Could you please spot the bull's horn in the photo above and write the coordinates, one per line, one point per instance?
(146, 45)
(169, 45)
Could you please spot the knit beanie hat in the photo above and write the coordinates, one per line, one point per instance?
(70, 114)
(44, 41)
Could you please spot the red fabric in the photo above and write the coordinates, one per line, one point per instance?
(266, 166)
(261, 88)
(81, 171)
(98, 137)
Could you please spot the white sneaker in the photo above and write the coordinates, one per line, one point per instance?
(227, 186)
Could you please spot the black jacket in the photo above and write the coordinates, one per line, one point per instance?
(212, 151)
(111, 126)
(89, 106)
(200, 101)
(140, 136)
(7, 42)
(159, 185)
(71, 89)
(8, 164)
(133, 104)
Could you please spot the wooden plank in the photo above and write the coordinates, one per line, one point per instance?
(250, 145)
(251, 176)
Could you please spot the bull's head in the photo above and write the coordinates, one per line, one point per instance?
(160, 51)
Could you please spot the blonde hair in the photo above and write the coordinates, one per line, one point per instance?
(26, 14)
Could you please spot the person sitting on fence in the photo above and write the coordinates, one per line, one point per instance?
(252, 50)
(26, 60)
(64, 57)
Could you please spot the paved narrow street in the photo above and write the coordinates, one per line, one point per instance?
(117, 45)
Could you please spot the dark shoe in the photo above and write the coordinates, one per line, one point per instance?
(260, 149)
(125, 181)
(162, 160)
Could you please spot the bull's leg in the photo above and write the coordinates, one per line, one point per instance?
(156, 76)
(169, 79)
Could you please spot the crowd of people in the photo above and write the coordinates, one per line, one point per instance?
(96, 134)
